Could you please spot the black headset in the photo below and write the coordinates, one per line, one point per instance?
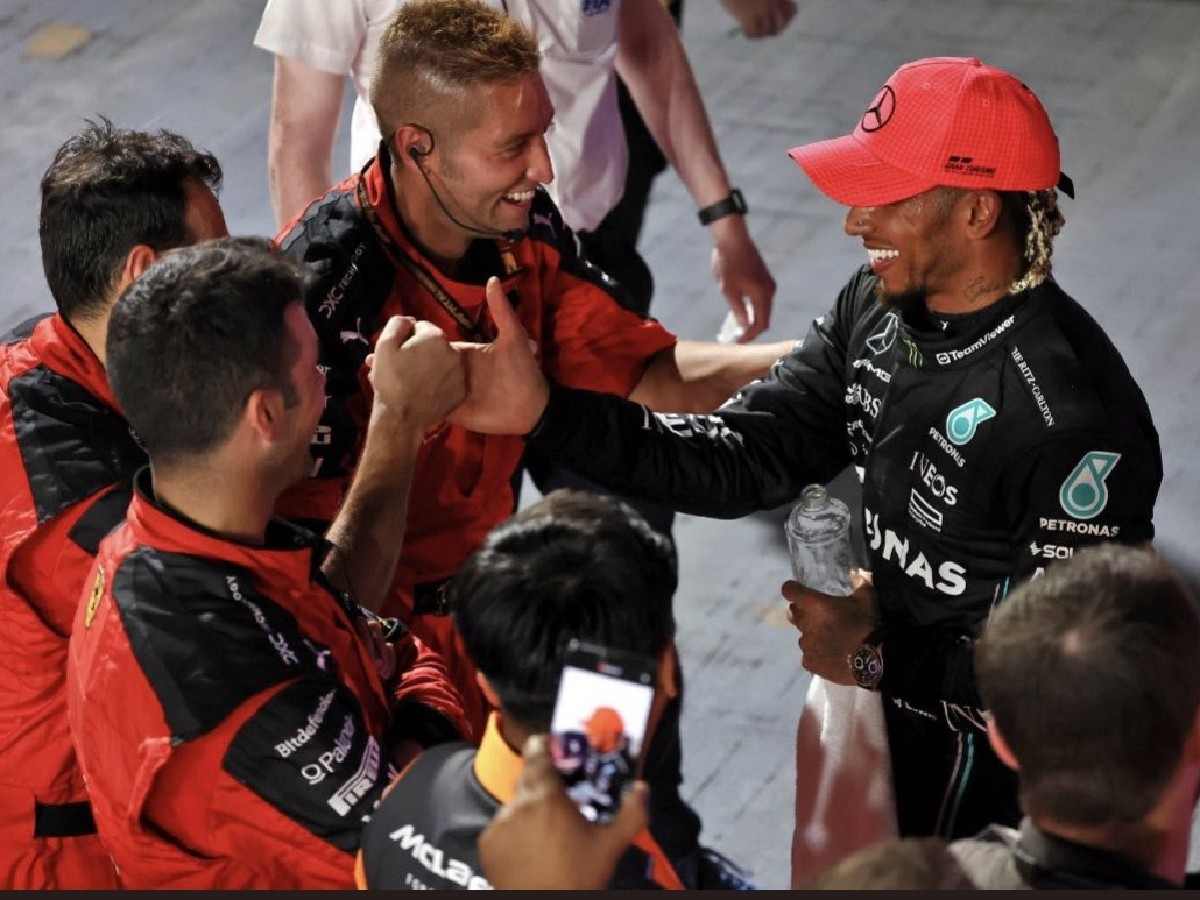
(417, 154)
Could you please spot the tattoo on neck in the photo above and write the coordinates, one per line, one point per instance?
(979, 287)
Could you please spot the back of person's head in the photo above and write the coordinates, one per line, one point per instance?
(910, 864)
(433, 51)
(189, 341)
(574, 565)
(108, 190)
(1091, 675)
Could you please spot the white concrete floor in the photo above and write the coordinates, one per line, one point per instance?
(1120, 79)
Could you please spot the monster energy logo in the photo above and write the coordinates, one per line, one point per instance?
(963, 420)
(1084, 494)
(913, 353)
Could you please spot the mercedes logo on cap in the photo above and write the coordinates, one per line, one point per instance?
(879, 113)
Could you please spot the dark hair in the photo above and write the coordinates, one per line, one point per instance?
(434, 49)
(907, 864)
(574, 565)
(201, 329)
(1091, 674)
(107, 191)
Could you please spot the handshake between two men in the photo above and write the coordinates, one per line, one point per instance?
(419, 377)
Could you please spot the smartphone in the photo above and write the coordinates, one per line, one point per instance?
(599, 724)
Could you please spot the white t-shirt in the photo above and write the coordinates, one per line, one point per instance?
(578, 44)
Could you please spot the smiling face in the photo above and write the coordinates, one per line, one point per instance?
(912, 246)
(491, 168)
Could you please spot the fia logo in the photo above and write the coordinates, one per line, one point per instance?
(963, 420)
(596, 7)
(1084, 494)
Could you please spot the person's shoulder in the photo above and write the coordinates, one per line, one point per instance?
(72, 445)
(348, 275)
(332, 219)
(1070, 370)
(206, 635)
(435, 809)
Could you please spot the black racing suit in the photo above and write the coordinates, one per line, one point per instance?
(992, 444)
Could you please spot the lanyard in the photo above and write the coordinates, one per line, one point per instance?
(473, 329)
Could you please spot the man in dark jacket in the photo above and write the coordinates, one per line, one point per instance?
(996, 425)
(1091, 681)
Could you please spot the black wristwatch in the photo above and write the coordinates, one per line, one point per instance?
(734, 204)
(866, 663)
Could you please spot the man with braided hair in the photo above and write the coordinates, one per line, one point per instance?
(996, 426)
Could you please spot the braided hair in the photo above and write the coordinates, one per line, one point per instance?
(1036, 220)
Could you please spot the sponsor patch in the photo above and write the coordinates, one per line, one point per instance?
(1088, 529)
(962, 421)
(940, 440)
(1035, 389)
(923, 512)
(933, 479)
(1084, 494)
(947, 578)
(436, 860)
(881, 341)
(1050, 551)
(952, 356)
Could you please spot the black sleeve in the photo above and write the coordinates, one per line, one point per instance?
(308, 753)
(756, 452)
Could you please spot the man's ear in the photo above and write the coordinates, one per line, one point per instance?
(264, 414)
(412, 144)
(983, 214)
(139, 258)
(1000, 745)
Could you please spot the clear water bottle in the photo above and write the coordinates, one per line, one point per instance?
(818, 536)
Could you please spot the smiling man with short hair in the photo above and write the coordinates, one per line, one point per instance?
(997, 426)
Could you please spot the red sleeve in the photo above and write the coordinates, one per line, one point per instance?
(253, 819)
(595, 343)
(424, 687)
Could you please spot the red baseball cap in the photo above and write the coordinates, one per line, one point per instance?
(940, 121)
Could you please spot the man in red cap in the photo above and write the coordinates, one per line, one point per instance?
(996, 426)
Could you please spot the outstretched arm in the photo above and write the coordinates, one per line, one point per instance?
(756, 452)
(654, 65)
(417, 380)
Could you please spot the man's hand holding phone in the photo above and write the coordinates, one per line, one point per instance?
(540, 840)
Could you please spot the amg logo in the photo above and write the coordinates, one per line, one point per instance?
(435, 860)
(1091, 529)
(882, 374)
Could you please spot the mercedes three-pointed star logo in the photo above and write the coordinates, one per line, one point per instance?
(880, 112)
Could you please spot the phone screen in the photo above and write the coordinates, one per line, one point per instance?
(599, 725)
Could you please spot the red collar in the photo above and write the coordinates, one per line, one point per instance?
(291, 555)
(62, 349)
